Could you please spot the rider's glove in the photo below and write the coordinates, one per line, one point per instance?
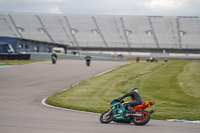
(119, 99)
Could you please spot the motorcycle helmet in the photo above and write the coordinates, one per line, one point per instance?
(134, 89)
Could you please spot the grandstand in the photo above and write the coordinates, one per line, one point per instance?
(101, 32)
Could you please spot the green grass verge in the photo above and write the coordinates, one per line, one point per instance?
(174, 86)
(20, 62)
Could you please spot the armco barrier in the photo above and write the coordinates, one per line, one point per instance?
(70, 56)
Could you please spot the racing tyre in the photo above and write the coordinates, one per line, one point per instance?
(88, 63)
(106, 117)
(142, 120)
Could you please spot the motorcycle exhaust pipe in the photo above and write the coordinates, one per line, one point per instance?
(137, 114)
(152, 111)
(132, 115)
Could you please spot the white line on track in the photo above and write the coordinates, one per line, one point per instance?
(51, 106)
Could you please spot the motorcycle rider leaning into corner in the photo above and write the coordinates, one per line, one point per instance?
(136, 99)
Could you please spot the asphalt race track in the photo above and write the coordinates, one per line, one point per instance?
(22, 88)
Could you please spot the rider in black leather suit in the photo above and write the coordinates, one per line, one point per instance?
(136, 99)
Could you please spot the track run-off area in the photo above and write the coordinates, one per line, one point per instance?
(23, 87)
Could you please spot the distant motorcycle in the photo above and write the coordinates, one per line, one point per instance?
(88, 60)
(137, 59)
(53, 60)
(119, 113)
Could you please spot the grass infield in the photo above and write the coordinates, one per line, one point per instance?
(20, 62)
(174, 86)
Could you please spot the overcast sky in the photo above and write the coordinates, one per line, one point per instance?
(105, 7)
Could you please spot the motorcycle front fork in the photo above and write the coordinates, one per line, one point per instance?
(110, 112)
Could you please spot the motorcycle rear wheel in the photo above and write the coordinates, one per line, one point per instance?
(88, 64)
(106, 118)
(142, 120)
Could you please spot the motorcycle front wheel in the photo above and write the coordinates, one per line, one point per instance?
(106, 117)
(141, 120)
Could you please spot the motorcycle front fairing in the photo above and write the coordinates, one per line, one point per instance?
(118, 112)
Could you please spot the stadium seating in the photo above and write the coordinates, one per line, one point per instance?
(101, 31)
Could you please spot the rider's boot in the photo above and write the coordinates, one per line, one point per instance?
(131, 109)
